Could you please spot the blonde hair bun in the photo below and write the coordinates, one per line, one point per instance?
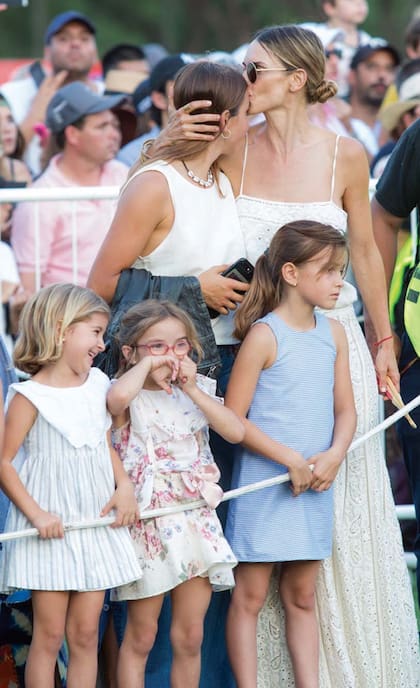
(324, 91)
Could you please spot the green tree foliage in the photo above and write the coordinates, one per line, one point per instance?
(189, 25)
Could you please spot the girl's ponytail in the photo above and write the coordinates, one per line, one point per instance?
(263, 295)
(296, 242)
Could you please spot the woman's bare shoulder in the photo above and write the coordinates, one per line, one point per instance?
(351, 150)
(150, 184)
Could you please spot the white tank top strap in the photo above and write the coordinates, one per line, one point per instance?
(244, 165)
(334, 167)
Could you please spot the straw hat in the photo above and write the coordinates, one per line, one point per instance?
(409, 97)
(123, 80)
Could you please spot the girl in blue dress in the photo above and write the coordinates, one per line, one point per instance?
(291, 384)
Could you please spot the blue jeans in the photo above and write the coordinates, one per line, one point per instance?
(409, 437)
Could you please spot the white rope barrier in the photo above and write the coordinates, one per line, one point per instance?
(230, 494)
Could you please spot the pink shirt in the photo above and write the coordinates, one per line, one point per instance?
(93, 219)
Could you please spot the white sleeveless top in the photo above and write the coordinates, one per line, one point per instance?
(205, 232)
(260, 219)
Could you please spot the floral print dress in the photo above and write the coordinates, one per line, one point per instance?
(166, 453)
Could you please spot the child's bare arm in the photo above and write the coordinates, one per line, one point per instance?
(20, 417)
(222, 419)
(126, 387)
(257, 352)
(123, 500)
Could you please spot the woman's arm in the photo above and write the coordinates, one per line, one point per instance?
(143, 218)
(20, 417)
(365, 257)
(326, 464)
(258, 352)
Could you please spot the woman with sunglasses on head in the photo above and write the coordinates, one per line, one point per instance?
(289, 169)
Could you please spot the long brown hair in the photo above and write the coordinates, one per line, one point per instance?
(220, 83)
(295, 242)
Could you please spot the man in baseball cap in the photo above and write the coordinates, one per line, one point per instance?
(86, 132)
(70, 49)
(372, 70)
(154, 95)
(61, 20)
(74, 101)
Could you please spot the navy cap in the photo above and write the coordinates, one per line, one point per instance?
(165, 70)
(65, 18)
(375, 45)
(141, 97)
(74, 101)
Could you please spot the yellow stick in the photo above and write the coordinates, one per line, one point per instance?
(397, 400)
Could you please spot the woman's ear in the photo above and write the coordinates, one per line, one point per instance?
(289, 274)
(297, 80)
(224, 120)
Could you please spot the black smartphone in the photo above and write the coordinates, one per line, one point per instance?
(242, 270)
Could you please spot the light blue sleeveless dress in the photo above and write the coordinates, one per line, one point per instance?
(293, 404)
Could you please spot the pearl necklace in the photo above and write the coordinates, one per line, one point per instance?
(206, 183)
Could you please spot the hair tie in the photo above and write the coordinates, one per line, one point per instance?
(385, 339)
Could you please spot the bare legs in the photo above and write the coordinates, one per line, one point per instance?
(189, 605)
(297, 591)
(75, 614)
(248, 597)
(139, 637)
(82, 638)
(190, 601)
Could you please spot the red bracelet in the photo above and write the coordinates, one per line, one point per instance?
(385, 339)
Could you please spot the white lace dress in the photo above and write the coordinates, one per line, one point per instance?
(368, 632)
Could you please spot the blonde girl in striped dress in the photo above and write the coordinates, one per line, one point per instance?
(70, 473)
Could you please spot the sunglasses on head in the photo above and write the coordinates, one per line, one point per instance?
(252, 70)
(333, 51)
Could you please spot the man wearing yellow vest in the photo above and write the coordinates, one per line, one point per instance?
(397, 194)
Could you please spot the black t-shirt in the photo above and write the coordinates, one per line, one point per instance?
(398, 189)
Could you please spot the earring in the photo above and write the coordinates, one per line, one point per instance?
(226, 133)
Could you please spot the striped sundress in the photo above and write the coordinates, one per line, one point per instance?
(293, 404)
(68, 471)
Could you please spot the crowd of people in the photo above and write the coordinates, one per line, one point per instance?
(126, 327)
